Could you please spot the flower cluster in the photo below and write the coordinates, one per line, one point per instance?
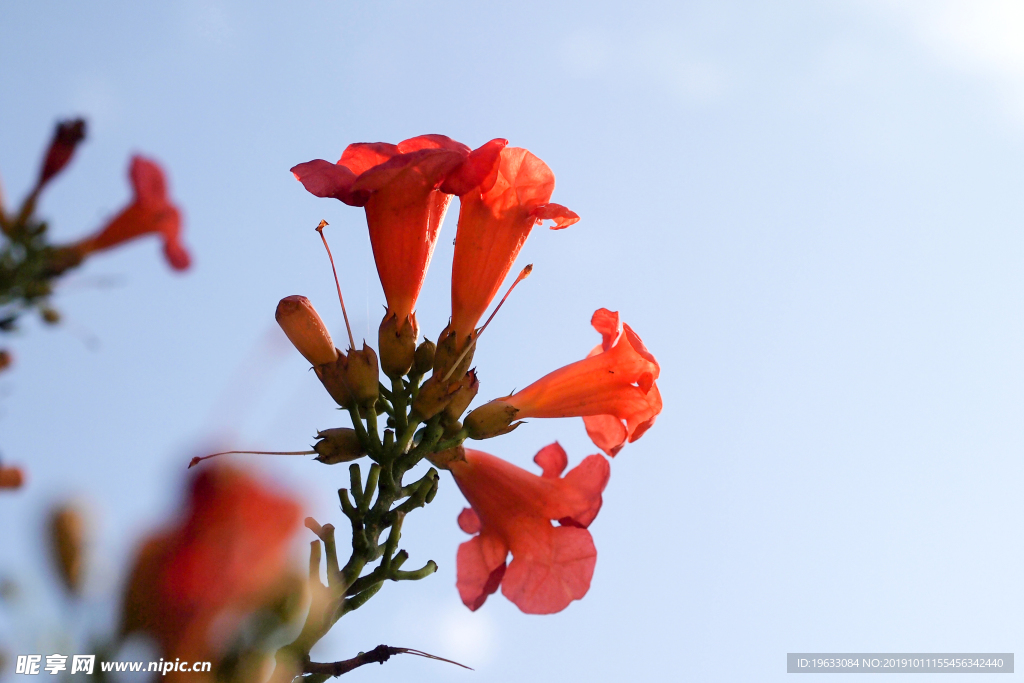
(503, 192)
(30, 264)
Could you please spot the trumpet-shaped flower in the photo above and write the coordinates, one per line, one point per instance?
(511, 511)
(151, 211)
(227, 558)
(608, 432)
(613, 389)
(405, 190)
(495, 218)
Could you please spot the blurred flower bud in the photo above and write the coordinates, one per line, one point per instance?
(332, 376)
(5, 359)
(305, 330)
(65, 139)
(397, 344)
(463, 396)
(11, 477)
(50, 316)
(448, 351)
(491, 419)
(424, 357)
(434, 395)
(362, 376)
(339, 444)
(67, 544)
(61, 259)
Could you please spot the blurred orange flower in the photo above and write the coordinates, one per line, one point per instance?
(228, 558)
(11, 477)
(512, 511)
(151, 211)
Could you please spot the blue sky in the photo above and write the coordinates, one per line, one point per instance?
(810, 212)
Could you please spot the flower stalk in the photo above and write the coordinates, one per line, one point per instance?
(376, 505)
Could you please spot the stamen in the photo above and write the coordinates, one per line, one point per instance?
(523, 274)
(320, 229)
(196, 460)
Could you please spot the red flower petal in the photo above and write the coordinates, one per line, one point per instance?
(552, 460)
(479, 171)
(607, 432)
(177, 255)
(608, 325)
(478, 577)
(324, 179)
(468, 521)
(556, 570)
(562, 216)
(513, 509)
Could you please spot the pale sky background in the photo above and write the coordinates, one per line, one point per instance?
(810, 212)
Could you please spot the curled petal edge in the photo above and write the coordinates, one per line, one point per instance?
(562, 216)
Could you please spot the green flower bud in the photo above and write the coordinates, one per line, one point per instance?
(491, 419)
(397, 344)
(362, 376)
(332, 376)
(442, 459)
(434, 395)
(424, 357)
(448, 351)
(339, 444)
(463, 396)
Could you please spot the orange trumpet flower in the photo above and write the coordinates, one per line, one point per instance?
(150, 212)
(405, 190)
(613, 389)
(495, 218)
(512, 511)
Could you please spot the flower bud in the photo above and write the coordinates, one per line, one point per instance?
(433, 396)
(339, 444)
(442, 459)
(61, 259)
(67, 543)
(332, 376)
(362, 376)
(65, 138)
(424, 357)
(397, 344)
(305, 329)
(5, 359)
(448, 351)
(11, 477)
(463, 396)
(51, 316)
(491, 419)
